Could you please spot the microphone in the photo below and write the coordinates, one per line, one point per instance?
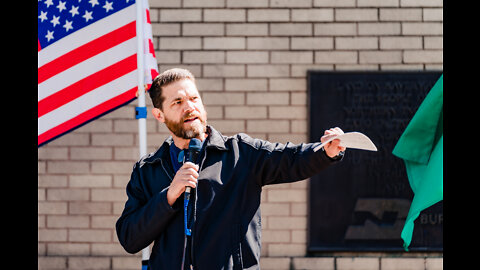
(194, 148)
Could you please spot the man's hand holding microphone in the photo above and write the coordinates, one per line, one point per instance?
(186, 176)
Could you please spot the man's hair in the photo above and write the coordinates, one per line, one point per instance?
(165, 78)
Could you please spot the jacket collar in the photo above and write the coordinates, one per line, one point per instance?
(214, 140)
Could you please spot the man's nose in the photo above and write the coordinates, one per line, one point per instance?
(189, 106)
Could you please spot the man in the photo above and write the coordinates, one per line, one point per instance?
(224, 216)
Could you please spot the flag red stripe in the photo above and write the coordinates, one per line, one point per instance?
(39, 47)
(151, 48)
(148, 15)
(153, 73)
(87, 115)
(87, 84)
(86, 51)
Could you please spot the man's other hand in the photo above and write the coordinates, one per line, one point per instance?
(333, 148)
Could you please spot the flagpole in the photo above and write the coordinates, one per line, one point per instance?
(141, 110)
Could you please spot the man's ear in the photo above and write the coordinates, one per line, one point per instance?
(158, 114)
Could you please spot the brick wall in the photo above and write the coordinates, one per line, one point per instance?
(250, 59)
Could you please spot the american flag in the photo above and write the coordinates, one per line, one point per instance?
(87, 61)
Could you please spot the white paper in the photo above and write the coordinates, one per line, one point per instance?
(355, 140)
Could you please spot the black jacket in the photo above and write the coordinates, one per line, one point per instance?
(226, 231)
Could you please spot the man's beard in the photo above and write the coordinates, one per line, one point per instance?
(194, 131)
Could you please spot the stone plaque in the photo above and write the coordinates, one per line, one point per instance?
(361, 203)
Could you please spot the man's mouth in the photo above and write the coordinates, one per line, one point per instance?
(191, 119)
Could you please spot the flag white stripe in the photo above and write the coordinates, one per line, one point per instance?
(86, 102)
(87, 34)
(87, 68)
(150, 62)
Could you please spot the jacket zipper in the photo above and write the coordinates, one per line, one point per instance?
(165, 170)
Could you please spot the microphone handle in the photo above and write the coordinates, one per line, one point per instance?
(187, 193)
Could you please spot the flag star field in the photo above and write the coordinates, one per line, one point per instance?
(57, 19)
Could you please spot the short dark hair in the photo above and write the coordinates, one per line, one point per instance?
(165, 78)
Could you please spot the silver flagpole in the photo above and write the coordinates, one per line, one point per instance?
(141, 110)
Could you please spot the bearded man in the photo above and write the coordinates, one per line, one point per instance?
(225, 219)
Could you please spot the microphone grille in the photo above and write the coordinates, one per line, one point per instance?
(195, 144)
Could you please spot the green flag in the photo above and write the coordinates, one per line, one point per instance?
(421, 148)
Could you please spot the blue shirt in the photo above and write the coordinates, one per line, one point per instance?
(174, 154)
